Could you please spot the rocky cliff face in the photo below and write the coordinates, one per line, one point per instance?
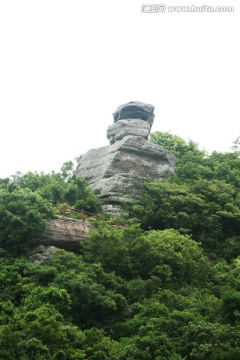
(41, 253)
(117, 172)
(62, 233)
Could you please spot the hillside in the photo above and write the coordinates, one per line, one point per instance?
(160, 282)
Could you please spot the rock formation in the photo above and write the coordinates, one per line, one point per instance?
(117, 172)
(41, 253)
(64, 233)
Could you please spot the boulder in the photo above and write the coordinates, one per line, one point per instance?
(135, 110)
(64, 233)
(41, 253)
(122, 128)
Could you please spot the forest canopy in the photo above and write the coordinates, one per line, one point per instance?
(162, 282)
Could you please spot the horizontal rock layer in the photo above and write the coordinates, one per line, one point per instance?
(64, 233)
(135, 110)
(117, 173)
(122, 128)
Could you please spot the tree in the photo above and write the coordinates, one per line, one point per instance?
(236, 145)
(175, 144)
(57, 188)
(209, 210)
(23, 216)
(174, 258)
(166, 288)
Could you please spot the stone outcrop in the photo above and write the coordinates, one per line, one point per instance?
(135, 110)
(41, 253)
(122, 128)
(64, 233)
(117, 172)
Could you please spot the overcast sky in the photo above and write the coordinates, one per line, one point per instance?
(65, 66)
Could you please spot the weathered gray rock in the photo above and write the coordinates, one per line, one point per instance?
(41, 253)
(135, 110)
(122, 128)
(117, 173)
(64, 233)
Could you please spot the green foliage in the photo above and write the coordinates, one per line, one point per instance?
(175, 258)
(162, 285)
(166, 254)
(22, 216)
(63, 187)
(194, 164)
(70, 307)
(210, 341)
(202, 199)
(231, 306)
(175, 144)
(27, 201)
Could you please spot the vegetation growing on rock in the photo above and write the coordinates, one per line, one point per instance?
(162, 284)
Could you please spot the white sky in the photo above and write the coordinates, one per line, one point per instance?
(65, 66)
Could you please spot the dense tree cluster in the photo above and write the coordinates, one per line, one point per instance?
(202, 200)
(27, 201)
(162, 283)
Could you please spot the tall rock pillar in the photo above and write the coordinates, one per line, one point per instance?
(117, 172)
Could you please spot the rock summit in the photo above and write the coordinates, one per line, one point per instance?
(117, 172)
